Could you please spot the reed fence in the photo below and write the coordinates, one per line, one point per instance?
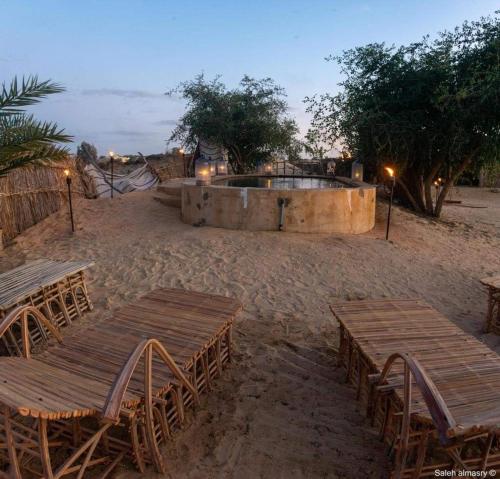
(30, 194)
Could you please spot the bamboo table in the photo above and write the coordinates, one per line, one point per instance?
(55, 288)
(493, 315)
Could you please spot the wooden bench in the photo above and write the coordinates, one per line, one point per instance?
(432, 389)
(111, 389)
(55, 288)
(493, 315)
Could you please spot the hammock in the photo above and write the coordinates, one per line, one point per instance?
(141, 179)
(211, 150)
(207, 150)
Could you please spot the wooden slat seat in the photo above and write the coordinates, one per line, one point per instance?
(184, 322)
(57, 289)
(492, 284)
(79, 376)
(33, 388)
(28, 279)
(463, 370)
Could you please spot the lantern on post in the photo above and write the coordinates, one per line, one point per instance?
(202, 172)
(266, 168)
(392, 175)
(357, 171)
(184, 166)
(212, 166)
(70, 202)
(221, 166)
(437, 184)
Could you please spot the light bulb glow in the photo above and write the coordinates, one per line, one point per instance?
(390, 171)
(66, 172)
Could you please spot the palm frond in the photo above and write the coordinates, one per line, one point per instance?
(39, 156)
(25, 140)
(20, 129)
(28, 92)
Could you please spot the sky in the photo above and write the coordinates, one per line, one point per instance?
(117, 58)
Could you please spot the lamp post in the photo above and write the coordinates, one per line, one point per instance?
(183, 153)
(112, 157)
(392, 175)
(68, 182)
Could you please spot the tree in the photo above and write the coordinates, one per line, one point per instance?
(431, 108)
(87, 152)
(23, 139)
(250, 121)
(314, 145)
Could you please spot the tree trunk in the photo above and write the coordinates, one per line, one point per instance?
(237, 161)
(450, 182)
(428, 187)
(429, 205)
(411, 184)
(408, 195)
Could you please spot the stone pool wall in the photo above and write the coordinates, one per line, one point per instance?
(329, 210)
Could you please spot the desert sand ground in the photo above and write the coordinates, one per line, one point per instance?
(282, 409)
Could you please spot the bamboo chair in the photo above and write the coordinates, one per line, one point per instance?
(100, 400)
(437, 404)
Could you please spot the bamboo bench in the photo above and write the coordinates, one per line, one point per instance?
(112, 389)
(493, 314)
(432, 390)
(55, 288)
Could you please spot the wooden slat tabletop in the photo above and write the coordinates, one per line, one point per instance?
(75, 377)
(19, 283)
(465, 371)
(492, 281)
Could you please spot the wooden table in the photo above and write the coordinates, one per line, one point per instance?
(493, 315)
(56, 288)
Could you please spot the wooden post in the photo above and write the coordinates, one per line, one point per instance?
(11, 445)
(44, 448)
(148, 409)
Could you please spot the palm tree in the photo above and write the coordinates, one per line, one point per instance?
(23, 139)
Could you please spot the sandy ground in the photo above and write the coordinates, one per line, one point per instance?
(282, 409)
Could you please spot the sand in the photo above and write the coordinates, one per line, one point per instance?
(282, 410)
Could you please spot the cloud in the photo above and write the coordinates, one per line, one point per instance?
(132, 133)
(122, 93)
(166, 122)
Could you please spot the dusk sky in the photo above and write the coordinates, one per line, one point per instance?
(118, 58)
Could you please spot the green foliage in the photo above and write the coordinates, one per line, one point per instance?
(431, 108)
(87, 152)
(23, 139)
(250, 121)
(314, 144)
(491, 172)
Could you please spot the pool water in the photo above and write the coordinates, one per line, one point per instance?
(284, 183)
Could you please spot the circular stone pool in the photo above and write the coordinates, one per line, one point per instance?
(282, 182)
(306, 204)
